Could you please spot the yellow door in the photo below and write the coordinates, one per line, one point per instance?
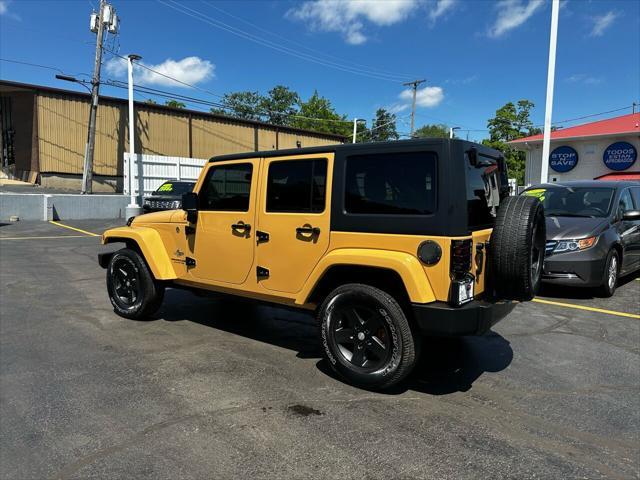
(294, 212)
(223, 243)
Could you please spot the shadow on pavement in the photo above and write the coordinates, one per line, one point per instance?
(446, 365)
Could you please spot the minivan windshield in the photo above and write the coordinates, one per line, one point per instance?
(565, 201)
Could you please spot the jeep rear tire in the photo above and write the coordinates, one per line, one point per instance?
(366, 337)
(133, 291)
(517, 247)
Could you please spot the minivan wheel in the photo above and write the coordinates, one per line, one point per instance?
(366, 337)
(133, 291)
(611, 270)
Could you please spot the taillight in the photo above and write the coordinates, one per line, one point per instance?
(460, 257)
(461, 289)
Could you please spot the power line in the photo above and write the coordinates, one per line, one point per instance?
(267, 43)
(318, 52)
(31, 64)
(589, 116)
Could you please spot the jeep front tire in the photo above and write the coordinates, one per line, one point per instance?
(366, 337)
(133, 291)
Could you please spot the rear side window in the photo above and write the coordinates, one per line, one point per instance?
(483, 191)
(297, 186)
(391, 184)
(227, 188)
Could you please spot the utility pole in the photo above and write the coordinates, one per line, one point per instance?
(105, 20)
(633, 107)
(414, 84)
(355, 129)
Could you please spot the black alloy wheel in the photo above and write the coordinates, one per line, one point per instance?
(361, 336)
(133, 291)
(126, 282)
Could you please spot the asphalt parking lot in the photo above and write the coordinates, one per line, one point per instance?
(220, 388)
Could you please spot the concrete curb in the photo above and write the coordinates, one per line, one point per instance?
(38, 206)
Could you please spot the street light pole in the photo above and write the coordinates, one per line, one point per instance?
(451, 130)
(133, 208)
(551, 72)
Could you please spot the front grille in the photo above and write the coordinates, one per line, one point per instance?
(160, 204)
(548, 249)
(460, 256)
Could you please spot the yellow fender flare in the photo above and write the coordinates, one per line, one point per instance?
(407, 266)
(151, 246)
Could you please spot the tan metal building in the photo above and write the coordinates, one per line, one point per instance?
(44, 133)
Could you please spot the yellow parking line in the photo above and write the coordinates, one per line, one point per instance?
(40, 238)
(74, 228)
(590, 309)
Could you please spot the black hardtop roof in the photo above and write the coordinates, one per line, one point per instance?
(589, 183)
(382, 146)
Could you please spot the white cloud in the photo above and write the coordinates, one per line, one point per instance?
(462, 81)
(584, 78)
(602, 22)
(347, 16)
(440, 8)
(427, 97)
(4, 10)
(191, 70)
(512, 14)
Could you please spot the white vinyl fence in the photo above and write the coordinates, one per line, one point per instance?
(150, 171)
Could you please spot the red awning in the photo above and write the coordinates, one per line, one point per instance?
(620, 176)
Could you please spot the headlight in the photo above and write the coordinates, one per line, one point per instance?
(175, 204)
(575, 245)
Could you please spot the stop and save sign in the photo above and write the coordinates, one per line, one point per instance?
(619, 156)
(563, 159)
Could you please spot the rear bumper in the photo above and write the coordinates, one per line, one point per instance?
(474, 318)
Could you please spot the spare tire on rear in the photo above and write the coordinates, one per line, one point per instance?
(516, 248)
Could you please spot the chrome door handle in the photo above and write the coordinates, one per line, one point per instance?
(241, 227)
(308, 230)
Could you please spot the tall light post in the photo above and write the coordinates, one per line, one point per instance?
(551, 73)
(451, 130)
(133, 208)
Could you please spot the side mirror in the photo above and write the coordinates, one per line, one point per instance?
(190, 205)
(631, 215)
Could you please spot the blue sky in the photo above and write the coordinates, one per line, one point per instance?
(475, 55)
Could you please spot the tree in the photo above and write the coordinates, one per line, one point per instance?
(329, 120)
(150, 101)
(244, 105)
(174, 104)
(279, 105)
(432, 131)
(510, 123)
(383, 127)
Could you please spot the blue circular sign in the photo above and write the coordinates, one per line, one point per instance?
(563, 159)
(619, 156)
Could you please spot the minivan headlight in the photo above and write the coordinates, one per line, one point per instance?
(575, 245)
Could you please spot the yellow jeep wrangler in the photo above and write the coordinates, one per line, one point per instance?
(385, 241)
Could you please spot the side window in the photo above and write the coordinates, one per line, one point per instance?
(635, 191)
(391, 184)
(625, 203)
(297, 186)
(227, 188)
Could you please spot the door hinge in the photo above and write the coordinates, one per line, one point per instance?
(190, 262)
(261, 236)
(262, 272)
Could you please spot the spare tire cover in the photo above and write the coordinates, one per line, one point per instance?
(517, 247)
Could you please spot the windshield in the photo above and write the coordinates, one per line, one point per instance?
(174, 188)
(564, 201)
